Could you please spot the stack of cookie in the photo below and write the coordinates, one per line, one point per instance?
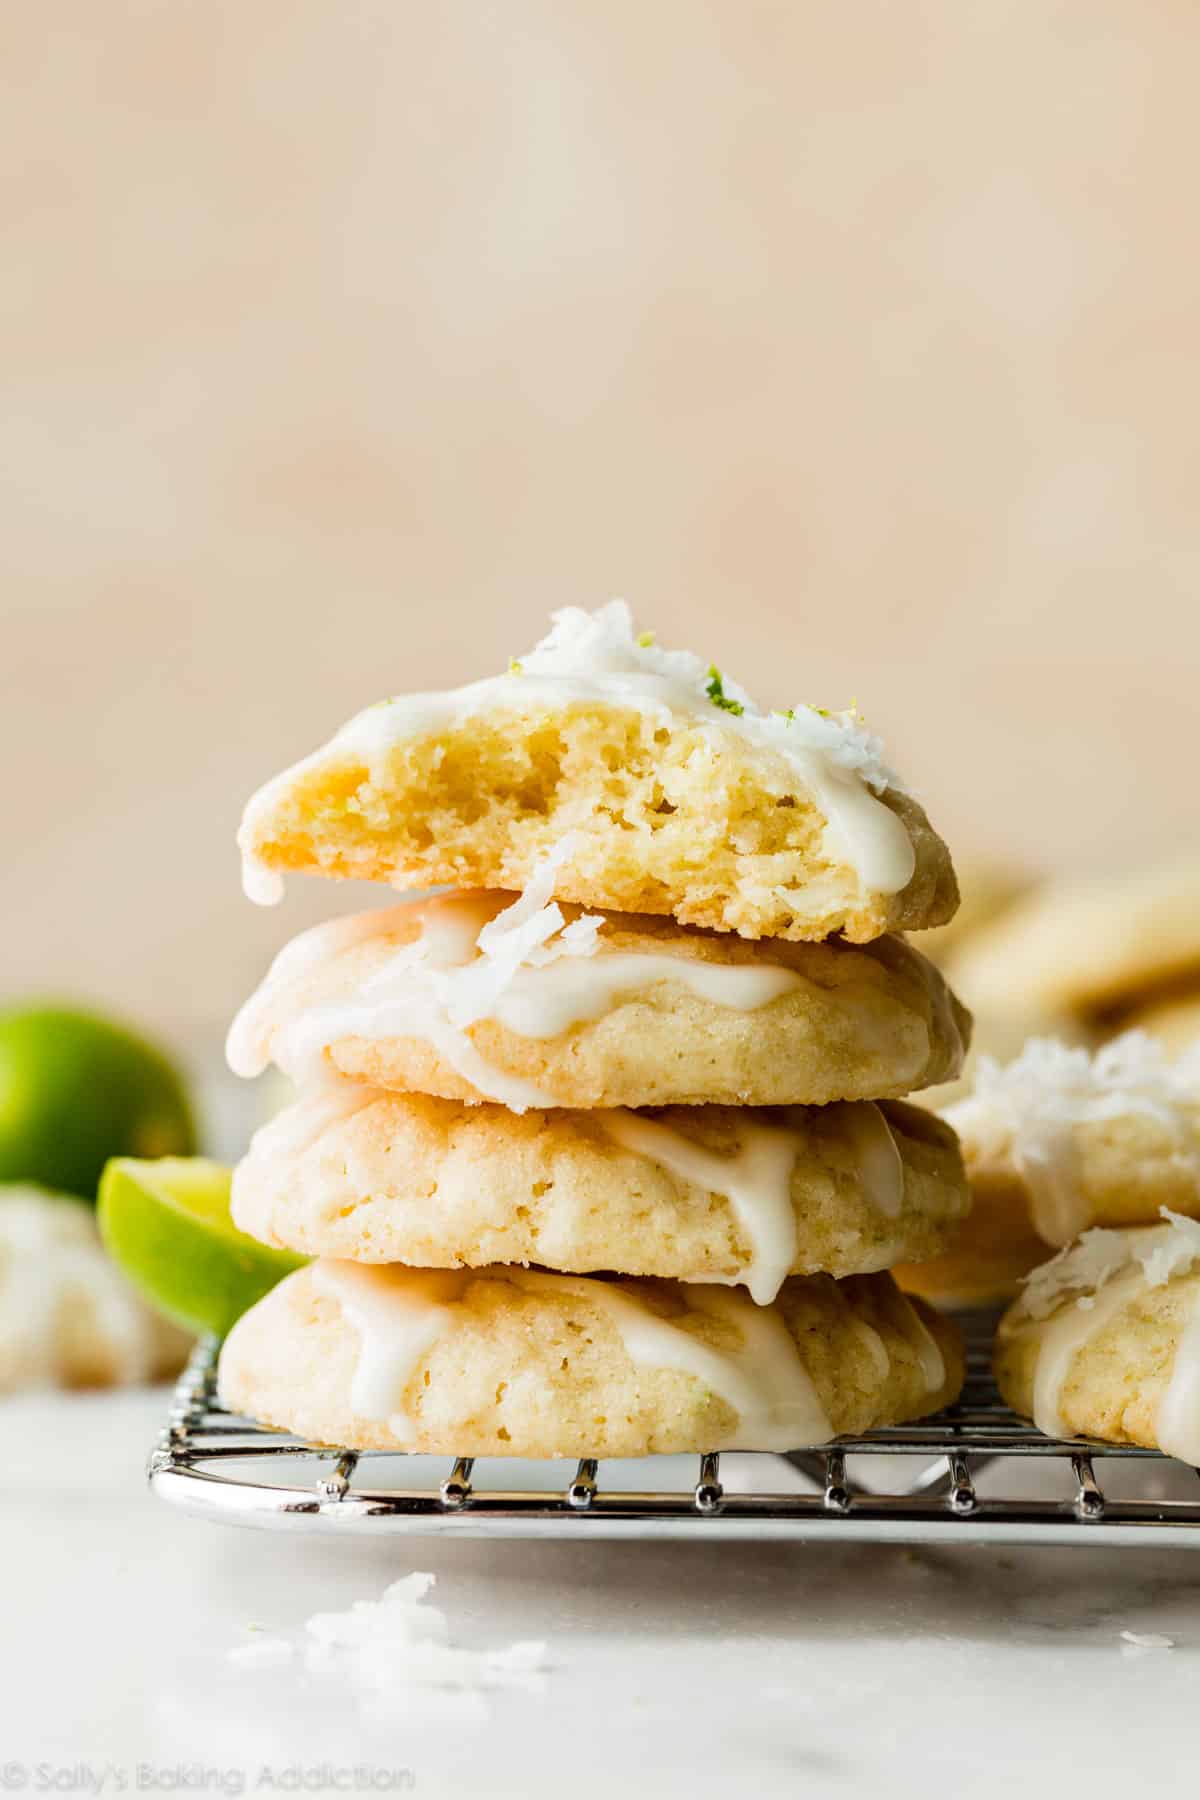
(602, 1151)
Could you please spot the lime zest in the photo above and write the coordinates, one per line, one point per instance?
(715, 689)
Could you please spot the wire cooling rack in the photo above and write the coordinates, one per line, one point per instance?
(972, 1474)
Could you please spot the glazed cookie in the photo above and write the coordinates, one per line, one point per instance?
(1088, 947)
(1105, 1340)
(700, 1193)
(1059, 1140)
(483, 996)
(514, 1362)
(67, 1316)
(666, 790)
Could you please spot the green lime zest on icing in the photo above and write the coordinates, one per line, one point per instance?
(645, 639)
(514, 667)
(716, 692)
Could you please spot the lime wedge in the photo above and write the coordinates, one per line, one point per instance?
(167, 1225)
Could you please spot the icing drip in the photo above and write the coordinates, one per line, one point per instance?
(757, 1179)
(880, 1165)
(876, 1348)
(764, 1380)
(543, 1002)
(929, 1356)
(1064, 1337)
(399, 1314)
(870, 837)
(598, 658)
(523, 967)
(1177, 1426)
(295, 1129)
(1072, 1298)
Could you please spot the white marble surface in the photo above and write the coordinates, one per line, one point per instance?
(677, 1669)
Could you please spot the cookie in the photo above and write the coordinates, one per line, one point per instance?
(476, 997)
(67, 1317)
(1086, 947)
(515, 1362)
(662, 788)
(1059, 1140)
(700, 1193)
(1105, 1340)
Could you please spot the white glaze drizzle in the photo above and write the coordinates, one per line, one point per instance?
(542, 1002)
(599, 658)
(764, 1380)
(1177, 1426)
(314, 1112)
(399, 1314)
(1064, 1336)
(877, 1155)
(1070, 1300)
(929, 1355)
(523, 967)
(757, 1180)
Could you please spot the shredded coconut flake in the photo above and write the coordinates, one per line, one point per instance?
(529, 933)
(1148, 1640)
(1162, 1251)
(579, 938)
(1051, 1084)
(263, 1653)
(587, 646)
(385, 1648)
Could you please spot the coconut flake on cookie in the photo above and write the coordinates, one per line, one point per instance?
(600, 658)
(1083, 1268)
(1051, 1084)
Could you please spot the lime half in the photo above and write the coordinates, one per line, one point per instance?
(167, 1225)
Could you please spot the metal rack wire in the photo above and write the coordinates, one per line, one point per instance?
(974, 1473)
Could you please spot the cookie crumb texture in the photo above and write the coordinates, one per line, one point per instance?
(682, 818)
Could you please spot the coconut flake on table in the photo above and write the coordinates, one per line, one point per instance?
(1146, 1640)
(386, 1648)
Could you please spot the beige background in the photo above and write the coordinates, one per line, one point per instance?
(856, 345)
